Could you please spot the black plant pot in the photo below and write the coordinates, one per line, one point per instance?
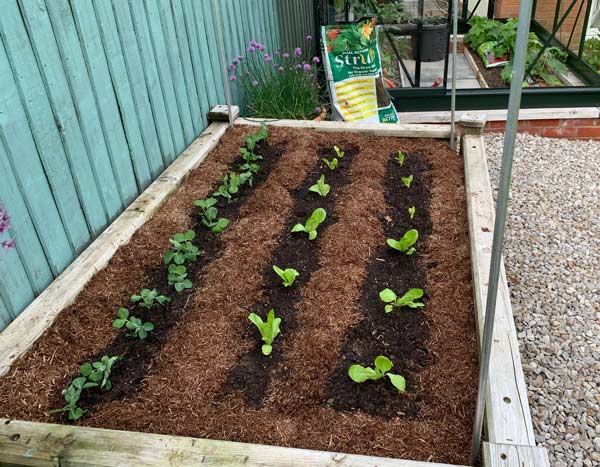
(434, 42)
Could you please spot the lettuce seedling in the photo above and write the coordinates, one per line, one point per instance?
(405, 244)
(339, 152)
(132, 323)
(315, 219)
(147, 297)
(360, 374)
(389, 297)
(331, 164)
(72, 395)
(99, 372)
(182, 249)
(411, 211)
(177, 277)
(400, 158)
(209, 215)
(288, 275)
(407, 180)
(268, 330)
(320, 187)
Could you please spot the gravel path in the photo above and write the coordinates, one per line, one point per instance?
(552, 253)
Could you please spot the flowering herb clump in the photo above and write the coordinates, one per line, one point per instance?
(278, 85)
(4, 226)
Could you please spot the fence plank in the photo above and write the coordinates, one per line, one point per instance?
(5, 316)
(205, 56)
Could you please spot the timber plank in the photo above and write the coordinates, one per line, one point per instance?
(510, 455)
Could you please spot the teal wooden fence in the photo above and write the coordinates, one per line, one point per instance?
(96, 99)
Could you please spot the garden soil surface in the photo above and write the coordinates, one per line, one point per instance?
(201, 372)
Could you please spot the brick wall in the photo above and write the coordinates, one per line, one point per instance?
(575, 128)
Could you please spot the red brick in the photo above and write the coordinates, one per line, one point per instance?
(552, 122)
(561, 132)
(496, 124)
(580, 122)
(589, 132)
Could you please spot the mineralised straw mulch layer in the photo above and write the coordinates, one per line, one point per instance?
(205, 377)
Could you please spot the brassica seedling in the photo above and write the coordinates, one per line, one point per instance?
(288, 275)
(411, 211)
(339, 152)
(253, 138)
(182, 249)
(251, 167)
(72, 395)
(360, 374)
(268, 330)
(249, 156)
(209, 215)
(147, 297)
(320, 187)
(400, 158)
(132, 323)
(99, 372)
(389, 297)
(230, 185)
(407, 180)
(178, 277)
(315, 219)
(331, 164)
(405, 244)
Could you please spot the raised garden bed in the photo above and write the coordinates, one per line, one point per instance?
(201, 371)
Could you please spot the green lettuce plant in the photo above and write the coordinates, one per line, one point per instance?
(407, 180)
(392, 301)
(177, 277)
(316, 218)
(411, 211)
(209, 215)
(99, 372)
(135, 325)
(320, 187)
(360, 374)
(147, 298)
(339, 152)
(405, 244)
(288, 275)
(333, 164)
(400, 158)
(182, 249)
(268, 330)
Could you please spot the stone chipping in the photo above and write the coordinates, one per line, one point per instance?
(552, 256)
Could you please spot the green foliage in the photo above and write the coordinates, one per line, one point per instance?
(268, 330)
(407, 180)
(251, 167)
(147, 297)
(315, 219)
(549, 63)
(254, 138)
(504, 34)
(405, 244)
(391, 12)
(182, 249)
(400, 158)
(339, 152)
(392, 301)
(177, 277)
(139, 329)
(383, 365)
(230, 186)
(99, 372)
(332, 164)
(209, 215)
(411, 211)
(72, 395)
(591, 53)
(321, 187)
(249, 156)
(288, 275)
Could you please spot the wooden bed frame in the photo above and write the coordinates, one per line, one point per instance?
(508, 425)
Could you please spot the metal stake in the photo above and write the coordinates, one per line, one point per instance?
(510, 135)
(223, 60)
(453, 96)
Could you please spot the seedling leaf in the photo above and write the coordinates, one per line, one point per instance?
(320, 187)
(411, 211)
(398, 381)
(315, 219)
(407, 180)
(400, 158)
(287, 275)
(405, 243)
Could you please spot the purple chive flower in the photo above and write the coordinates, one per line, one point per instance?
(231, 67)
(235, 61)
(281, 69)
(261, 47)
(253, 44)
(4, 219)
(251, 49)
(306, 67)
(267, 57)
(232, 78)
(298, 66)
(308, 38)
(318, 110)
(297, 52)
(8, 244)
(286, 55)
(239, 58)
(316, 60)
(254, 83)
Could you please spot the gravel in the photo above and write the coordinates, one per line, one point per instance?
(552, 255)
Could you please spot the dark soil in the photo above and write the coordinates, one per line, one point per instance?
(252, 372)
(402, 334)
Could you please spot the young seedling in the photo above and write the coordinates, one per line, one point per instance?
(405, 244)
(139, 329)
(249, 156)
(249, 167)
(99, 372)
(407, 180)
(400, 158)
(411, 212)
(178, 277)
(247, 177)
(268, 330)
(254, 138)
(320, 187)
(230, 186)
(72, 395)
(339, 152)
(288, 275)
(360, 374)
(331, 164)
(209, 215)
(408, 299)
(182, 250)
(147, 298)
(315, 219)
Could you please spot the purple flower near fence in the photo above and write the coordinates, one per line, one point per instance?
(286, 55)
(232, 78)
(231, 67)
(267, 57)
(308, 38)
(316, 59)
(318, 110)
(306, 67)
(4, 226)
(254, 83)
(297, 52)
(251, 49)
(8, 244)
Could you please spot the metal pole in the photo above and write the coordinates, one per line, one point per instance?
(453, 96)
(510, 135)
(223, 60)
